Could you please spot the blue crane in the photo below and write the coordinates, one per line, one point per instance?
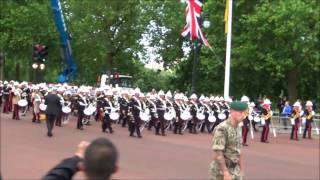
(70, 65)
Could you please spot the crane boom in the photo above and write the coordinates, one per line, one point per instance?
(70, 65)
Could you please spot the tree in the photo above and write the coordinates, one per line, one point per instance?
(279, 42)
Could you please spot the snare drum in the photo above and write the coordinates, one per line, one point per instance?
(66, 109)
(42, 107)
(22, 103)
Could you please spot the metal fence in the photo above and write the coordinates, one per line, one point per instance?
(283, 125)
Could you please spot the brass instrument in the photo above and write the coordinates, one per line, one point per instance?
(296, 114)
(309, 116)
(246, 114)
(267, 116)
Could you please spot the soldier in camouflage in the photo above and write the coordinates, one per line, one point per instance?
(227, 163)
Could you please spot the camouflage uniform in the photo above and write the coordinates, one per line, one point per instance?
(228, 140)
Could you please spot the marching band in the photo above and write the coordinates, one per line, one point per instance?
(132, 108)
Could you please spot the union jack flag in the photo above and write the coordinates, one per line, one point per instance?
(192, 28)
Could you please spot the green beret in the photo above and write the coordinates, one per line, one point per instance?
(238, 106)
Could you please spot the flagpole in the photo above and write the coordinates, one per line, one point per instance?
(228, 52)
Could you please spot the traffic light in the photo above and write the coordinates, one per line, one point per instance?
(40, 51)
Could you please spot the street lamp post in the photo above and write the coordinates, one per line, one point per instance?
(196, 54)
(37, 67)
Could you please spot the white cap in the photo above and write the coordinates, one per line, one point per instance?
(178, 96)
(16, 83)
(137, 91)
(23, 83)
(124, 92)
(297, 104)
(108, 92)
(221, 98)
(99, 89)
(35, 87)
(142, 95)
(80, 89)
(252, 104)
(266, 101)
(185, 98)
(206, 99)
(160, 93)
(309, 103)
(168, 94)
(201, 97)
(244, 99)
(193, 96)
(212, 98)
(60, 89)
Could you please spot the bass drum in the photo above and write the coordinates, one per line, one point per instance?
(200, 116)
(256, 119)
(144, 116)
(66, 109)
(42, 107)
(185, 116)
(222, 116)
(22, 103)
(114, 116)
(88, 111)
(173, 112)
(168, 116)
(212, 118)
(92, 108)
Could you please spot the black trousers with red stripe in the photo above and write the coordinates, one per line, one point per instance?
(245, 130)
(265, 132)
(5, 106)
(307, 128)
(294, 130)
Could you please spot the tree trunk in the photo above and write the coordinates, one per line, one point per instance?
(293, 76)
(110, 62)
(18, 71)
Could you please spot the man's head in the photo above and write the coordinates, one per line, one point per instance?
(100, 159)
(238, 110)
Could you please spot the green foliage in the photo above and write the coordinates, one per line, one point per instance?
(275, 44)
(149, 79)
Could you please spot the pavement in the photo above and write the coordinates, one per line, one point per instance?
(27, 153)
